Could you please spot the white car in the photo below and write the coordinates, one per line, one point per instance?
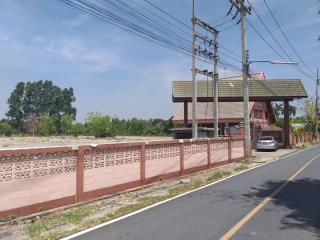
(267, 143)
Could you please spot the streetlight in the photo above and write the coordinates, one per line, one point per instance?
(273, 62)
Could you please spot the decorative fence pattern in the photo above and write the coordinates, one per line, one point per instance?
(37, 179)
(301, 139)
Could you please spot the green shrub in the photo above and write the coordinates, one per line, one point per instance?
(6, 129)
(97, 124)
(66, 124)
(47, 125)
(77, 129)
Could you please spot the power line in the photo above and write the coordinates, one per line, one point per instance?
(169, 15)
(231, 52)
(170, 41)
(123, 24)
(161, 18)
(227, 28)
(262, 37)
(298, 68)
(285, 36)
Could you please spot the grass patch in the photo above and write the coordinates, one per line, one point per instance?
(218, 175)
(8, 218)
(242, 167)
(142, 202)
(307, 145)
(72, 216)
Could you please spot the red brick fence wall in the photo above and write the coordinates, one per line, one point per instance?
(301, 139)
(38, 179)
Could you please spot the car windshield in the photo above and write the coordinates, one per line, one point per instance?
(266, 138)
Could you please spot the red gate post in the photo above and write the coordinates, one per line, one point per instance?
(80, 174)
(209, 153)
(143, 164)
(229, 150)
(181, 157)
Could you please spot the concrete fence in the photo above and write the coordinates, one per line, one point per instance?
(302, 139)
(38, 179)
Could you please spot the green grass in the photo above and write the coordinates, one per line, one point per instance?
(242, 167)
(142, 202)
(8, 218)
(72, 216)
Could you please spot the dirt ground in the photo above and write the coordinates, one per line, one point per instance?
(29, 142)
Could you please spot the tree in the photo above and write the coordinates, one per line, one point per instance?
(118, 127)
(66, 124)
(278, 110)
(32, 123)
(98, 125)
(77, 129)
(6, 129)
(15, 112)
(310, 109)
(47, 125)
(40, 98)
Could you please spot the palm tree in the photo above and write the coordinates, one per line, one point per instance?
(279, 110)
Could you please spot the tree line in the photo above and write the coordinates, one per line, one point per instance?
(42, 108)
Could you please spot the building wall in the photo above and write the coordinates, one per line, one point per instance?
(260, 115)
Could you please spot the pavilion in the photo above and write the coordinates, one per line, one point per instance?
(231, 90)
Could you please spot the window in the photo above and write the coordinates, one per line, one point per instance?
(258, 114)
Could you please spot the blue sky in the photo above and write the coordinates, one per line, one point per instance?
(118, 74)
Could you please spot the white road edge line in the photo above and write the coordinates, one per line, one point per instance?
(173, 198)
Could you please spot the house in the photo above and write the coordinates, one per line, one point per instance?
(262, 118)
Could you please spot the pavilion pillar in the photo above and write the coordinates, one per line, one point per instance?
(286, 124)
(185, 114)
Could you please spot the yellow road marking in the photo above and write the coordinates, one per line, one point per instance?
(249, 215)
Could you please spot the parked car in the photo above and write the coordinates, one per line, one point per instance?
(267, 143)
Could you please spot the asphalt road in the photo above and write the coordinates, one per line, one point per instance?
(293, 213)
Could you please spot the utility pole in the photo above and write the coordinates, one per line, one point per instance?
(194, 83)
(206, 54)
(244, 10)
(216, 87)
(316, 111)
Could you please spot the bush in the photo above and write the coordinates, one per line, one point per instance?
(47, 125)
(6, 129)
(66, 124)
(98, 125)
(77, 129)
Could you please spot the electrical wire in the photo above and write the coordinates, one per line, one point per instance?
(287, 39)
(167, 38)
(277, 42)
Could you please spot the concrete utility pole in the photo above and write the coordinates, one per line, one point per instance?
(194, 83)
(216, 88)
(316, 111)
(239, 4)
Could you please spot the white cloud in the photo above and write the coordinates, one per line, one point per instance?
(76, 22)
(97, 59)
(307, 18)
(74, 50)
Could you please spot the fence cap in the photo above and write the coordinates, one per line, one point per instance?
(75, 147)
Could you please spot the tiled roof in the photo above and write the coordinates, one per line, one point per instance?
(275, 89)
